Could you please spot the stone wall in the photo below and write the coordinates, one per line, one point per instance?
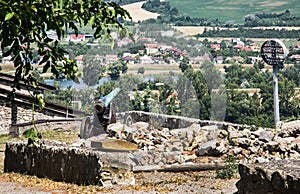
(282, 176)
(25, 115)
(48, 125)
(171, 121)
(59, 162)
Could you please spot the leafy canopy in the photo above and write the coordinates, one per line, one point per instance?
(24, 25)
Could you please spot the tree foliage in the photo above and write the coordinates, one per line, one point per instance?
(93, 70)
(251, 33)
(115, 69)
(24, 26)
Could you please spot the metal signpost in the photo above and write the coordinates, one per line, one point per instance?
(274, 52)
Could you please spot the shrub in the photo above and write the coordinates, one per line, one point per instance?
(230, 169)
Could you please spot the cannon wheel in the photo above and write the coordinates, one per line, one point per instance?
(85, 129)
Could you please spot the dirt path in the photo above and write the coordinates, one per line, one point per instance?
(18, 188)
(153, 182)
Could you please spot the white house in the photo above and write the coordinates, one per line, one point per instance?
(145, 60)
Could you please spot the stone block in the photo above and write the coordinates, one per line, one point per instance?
(278, 176)
(59, 162)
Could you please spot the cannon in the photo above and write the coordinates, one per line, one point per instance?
(104, 114)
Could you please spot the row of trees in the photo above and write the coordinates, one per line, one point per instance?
(251, 33)
(271, 19)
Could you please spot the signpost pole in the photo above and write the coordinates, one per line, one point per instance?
(274, 52)
(275, 94)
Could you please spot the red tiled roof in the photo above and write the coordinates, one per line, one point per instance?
(80, 57)
(245, 48)
(79, 36)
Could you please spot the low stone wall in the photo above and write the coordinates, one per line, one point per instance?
(59, 162)
(281, 176)
(48, 125)
(171, 121)
(24, 115)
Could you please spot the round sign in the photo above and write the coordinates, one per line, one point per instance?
(273, 52)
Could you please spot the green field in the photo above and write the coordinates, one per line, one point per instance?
(233, 10)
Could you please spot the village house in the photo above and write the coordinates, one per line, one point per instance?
(215, 47)
(74, 38)
(163, 49)
(245, 48)
(145, 60)
(111, 59)
(234, 59)
(128, 59)
(157, 60)
(256, 60)
(237, 41)
(152, 49)
(254, 47)
(238, 47)
(170, 60)
(79, 60)
(141, 52)
(124, 42)
(99, 58)
(295, 58)
(175, 52)
(199, 59)
(219, 60)
(196, 60)
(296, 47)
(143, 39)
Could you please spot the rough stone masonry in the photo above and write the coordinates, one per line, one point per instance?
(57, 161)
(281, 176)
(165, 140)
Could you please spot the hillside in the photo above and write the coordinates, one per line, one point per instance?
(139, 14)
(233, 10)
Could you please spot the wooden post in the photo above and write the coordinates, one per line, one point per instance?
(14, 113)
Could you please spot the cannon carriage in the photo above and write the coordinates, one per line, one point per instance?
(104, 114)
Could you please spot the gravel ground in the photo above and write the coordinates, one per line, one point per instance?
(17, 188)
(146, 183)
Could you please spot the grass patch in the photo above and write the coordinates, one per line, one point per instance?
(5, 138)
(230, 170)
(68, 136)
(233, 10)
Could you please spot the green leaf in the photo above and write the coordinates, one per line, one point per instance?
(3, 2)
(39, 135)
(41, 101)
(29, 132)
(46, 67)
(9, 16)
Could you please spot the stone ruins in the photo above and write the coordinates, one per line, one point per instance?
(142, 141)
